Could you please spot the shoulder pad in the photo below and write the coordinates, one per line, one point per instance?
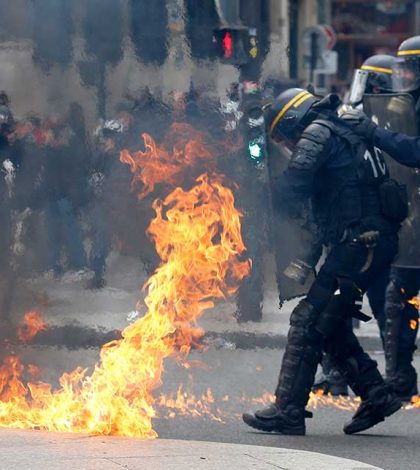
(317, 132)
(308, 153)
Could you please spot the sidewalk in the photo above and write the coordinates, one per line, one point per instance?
(40, 450)
(86, 318)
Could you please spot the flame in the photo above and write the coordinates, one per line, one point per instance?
(415, 402)
(184, 403)
(187, 404)
(184, 148)
(30, 325)
(415, 301)
(198, 237)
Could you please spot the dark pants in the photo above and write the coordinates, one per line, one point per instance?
(402, 315)
(376, 296)
(64, 232)
(101, 237)
(320, 322)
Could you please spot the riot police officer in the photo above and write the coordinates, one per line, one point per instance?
(401, 306)
(346, 184)
(373, 77)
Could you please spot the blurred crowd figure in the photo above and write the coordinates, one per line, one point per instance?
(67, 199)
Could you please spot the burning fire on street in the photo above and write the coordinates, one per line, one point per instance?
(224, 409)
(197, 234)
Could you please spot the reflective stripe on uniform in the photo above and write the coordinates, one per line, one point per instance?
(376, 69)
(297, 101)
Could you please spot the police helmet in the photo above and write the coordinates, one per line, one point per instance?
(406, 76)
(374, 76)
(285, 116)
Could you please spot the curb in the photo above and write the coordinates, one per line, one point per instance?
(41, 450)
(78, 337)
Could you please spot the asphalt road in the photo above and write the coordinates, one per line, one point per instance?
(390, 445)
(236, 379)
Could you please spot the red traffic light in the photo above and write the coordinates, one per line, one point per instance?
(227, 45)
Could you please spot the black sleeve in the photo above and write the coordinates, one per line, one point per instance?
(402, 148)
(295, 185)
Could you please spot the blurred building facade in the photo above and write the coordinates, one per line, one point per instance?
(47, 52)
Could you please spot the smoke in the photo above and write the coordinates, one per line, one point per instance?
(86, 79)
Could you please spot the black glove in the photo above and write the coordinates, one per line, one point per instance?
(360, 123)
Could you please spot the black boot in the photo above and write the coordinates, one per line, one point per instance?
(288, 420)
(380, 403)
(300, 360)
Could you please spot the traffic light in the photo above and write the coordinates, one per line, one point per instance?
(255, 133)
(256, 145)
(231, 44)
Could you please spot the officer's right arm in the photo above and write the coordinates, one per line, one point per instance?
(402, 148)
(295, 186)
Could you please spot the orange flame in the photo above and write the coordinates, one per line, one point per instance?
(415, 301)
(184, 148)
(197, 234)
(415, 402)
(225, 409)
(30, 325)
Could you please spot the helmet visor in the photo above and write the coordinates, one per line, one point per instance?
(406, 75)
(358, 86)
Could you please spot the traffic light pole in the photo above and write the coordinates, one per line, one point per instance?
(253, 173)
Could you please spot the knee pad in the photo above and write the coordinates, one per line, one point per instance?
(303, 314)
(302, 321)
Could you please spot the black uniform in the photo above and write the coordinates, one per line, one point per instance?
(345, 182)
(401, 311)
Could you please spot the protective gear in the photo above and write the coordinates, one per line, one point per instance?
(400, 333)
(397, 112)
(330, 168)
(406, 71)
(285, 117)
(300, 359)
(353, 198)
(374, 76)
(379, 404)
(361, 124)
(289, 420)
(394, 310)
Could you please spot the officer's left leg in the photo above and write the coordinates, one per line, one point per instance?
(318, 318)
(314, 319)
